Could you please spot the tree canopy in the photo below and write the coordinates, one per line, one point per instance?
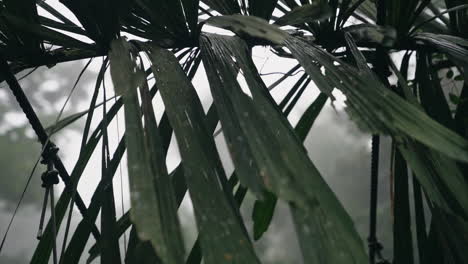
(391, 60)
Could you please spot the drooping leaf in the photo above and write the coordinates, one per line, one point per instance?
(263, 210)
(144, 210)
(153, 212)
(247, 170)
(195, 256)
(127, 70)
(222, 238)
(177, 176)
(171, 246)
(287, 172)
(429, 165)
(389, 115)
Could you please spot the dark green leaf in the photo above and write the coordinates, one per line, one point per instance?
(150, 206)
(263, 214)
(170, 246)
(288, 172)
(222, 238)
(308, 118)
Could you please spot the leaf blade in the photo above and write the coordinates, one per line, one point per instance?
(225, 242)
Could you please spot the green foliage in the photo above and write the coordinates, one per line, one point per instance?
(166, 43)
